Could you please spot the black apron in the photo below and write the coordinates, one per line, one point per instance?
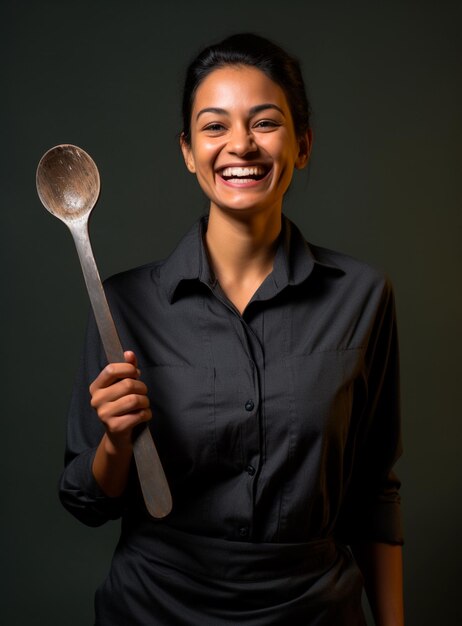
(164, 577)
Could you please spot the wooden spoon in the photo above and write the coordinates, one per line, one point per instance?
(68, 186)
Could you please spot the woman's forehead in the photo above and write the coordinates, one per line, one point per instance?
(238, 86)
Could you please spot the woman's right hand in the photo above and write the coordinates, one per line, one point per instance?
(121, 401)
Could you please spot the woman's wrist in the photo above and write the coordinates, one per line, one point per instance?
(111, 466)
(117, 447)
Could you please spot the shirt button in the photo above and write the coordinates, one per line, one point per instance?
(250, 470)
(244, 531)
(249, 405)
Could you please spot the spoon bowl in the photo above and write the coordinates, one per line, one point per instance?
(68, 182)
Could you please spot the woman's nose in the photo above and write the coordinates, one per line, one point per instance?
(241, 141)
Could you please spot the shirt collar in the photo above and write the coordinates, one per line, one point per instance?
(294, 262)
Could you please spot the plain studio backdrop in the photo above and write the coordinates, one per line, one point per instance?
(384, 185)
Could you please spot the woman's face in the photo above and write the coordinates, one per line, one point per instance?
(243, 145)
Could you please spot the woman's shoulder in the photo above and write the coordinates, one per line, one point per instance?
(183, 257)
(351, 267)
(343, 268)
(135, 285)
(139, 273)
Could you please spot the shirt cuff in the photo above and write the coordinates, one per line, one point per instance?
(81, 495)
(380, 521)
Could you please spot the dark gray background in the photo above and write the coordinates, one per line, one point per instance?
(384, 185)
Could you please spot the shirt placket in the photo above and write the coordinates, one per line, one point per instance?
(253, 435)
(250, 410)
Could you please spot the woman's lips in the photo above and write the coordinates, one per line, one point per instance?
(243, 176)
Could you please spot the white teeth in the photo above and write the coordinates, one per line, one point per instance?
(256, 170)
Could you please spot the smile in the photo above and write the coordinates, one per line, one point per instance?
(244, 175)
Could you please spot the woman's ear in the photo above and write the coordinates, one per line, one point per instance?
(187, 154)
(305, 143)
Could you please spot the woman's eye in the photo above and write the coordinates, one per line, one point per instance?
(214, 128)
(266, 124)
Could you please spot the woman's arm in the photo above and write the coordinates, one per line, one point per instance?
(121, 402)
(382, 568)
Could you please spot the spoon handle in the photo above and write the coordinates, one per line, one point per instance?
(154, 485)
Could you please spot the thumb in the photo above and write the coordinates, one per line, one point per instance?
(130, 357)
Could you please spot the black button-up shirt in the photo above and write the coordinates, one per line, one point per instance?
(277, 425)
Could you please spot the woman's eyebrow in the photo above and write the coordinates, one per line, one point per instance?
(263, 107)
(256, 109)
(216, 110)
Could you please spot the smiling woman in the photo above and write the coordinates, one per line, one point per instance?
(270, 369)
(242, 144)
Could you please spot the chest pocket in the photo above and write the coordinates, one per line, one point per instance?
(322, 391)
(183, 424)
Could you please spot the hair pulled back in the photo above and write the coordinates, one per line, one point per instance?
(253, 51)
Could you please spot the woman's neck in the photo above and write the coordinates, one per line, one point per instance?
(241, 251)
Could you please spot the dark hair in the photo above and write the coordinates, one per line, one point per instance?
(254, 51)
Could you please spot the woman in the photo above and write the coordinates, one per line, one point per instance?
(269, 367)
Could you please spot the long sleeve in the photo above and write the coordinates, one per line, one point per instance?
(78, 489)
(371, 510)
